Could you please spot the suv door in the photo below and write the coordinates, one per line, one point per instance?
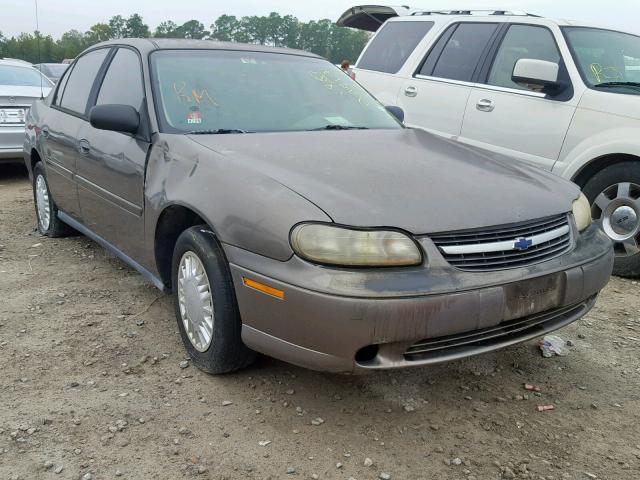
(61, 127)
(509, 118)
(112, 164)
(436, 97)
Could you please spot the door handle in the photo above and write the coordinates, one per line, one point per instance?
(84, 147)
(45, 132)
(486, 105)
(411, 91)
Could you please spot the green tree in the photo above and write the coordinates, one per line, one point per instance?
(192, 29)
(167, 29)
(118, 26)
(100, 32)
(226, 29)
(136, 28)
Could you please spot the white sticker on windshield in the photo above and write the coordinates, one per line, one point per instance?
(337, 121)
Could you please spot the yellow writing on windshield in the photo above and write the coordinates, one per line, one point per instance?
(193, 97)
(605, 74)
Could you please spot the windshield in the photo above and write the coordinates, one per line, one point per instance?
(22, 76)
(239, 91)
(606, 59)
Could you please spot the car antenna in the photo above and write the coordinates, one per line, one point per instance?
(38, 46)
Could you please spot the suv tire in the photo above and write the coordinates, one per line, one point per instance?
(46, 210)
(205, 304)
(606, 195)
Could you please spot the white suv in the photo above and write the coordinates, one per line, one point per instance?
(561, 96)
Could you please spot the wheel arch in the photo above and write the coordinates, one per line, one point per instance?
(582, 176)
(174, 219)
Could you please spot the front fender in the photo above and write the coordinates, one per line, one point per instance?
(245, 208)
(586, 143)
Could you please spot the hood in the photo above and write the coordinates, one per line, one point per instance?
(407, 179)
(21, 95)
(371, 17)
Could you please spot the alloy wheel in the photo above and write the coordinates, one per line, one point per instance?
(195, 301)
(617, 209)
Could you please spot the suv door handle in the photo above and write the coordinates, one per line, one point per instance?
(411, 91)
(45, 132)
(84, 147)
(486, 105)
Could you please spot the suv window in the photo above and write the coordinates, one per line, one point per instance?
(78, 87)
(521, 41)
(458, 58)
(123, 82)
(393, 45)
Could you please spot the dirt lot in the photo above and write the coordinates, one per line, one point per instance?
(92, 388)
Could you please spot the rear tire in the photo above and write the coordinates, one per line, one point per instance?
(205, 304)
(614, 194)
(46, 210)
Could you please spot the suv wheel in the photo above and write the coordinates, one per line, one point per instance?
(614, 193)
(46, 211)
(205, 304)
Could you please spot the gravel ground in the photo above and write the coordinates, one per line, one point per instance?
(93, 387)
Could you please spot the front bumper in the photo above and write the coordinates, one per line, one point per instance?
(345, 321)
(11, 143)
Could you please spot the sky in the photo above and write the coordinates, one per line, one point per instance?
(58, 16)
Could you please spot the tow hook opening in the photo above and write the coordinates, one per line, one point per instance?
(367, 354)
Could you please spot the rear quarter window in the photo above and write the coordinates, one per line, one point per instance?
(392, 46)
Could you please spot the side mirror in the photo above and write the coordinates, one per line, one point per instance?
(396, 112)
(538, 75)
(116, 118)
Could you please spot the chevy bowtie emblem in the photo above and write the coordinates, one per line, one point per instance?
(12, 99)
(523, 243)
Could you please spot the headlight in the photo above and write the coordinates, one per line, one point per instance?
(582, 212)
(333, 245)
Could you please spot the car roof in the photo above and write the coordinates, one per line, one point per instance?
(147, 45)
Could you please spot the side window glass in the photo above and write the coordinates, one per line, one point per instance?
(78, 86)
(393, 45)
(63, 83)
(123, 82)
(462, 52)
(521, 41)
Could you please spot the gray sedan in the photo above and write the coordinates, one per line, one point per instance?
(291, 214)
(20, 86)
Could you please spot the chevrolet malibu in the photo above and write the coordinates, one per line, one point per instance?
(291, 214)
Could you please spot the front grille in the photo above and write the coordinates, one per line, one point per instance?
(505, 333)
(497, 249)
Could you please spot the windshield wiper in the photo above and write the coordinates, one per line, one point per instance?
(219, 131)
(338, 127)
(617, 84)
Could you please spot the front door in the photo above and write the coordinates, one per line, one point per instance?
(111, 165)
(511, 119)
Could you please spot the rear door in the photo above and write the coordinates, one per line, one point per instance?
(112, 164)
(60, 128)
(436, 96)
(385, 55)
(509, 118)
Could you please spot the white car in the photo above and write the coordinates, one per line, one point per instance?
(20, 85)
(556, 94)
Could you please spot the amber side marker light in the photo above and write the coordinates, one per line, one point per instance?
(261, 287)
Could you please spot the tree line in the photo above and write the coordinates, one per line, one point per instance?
(322, 37)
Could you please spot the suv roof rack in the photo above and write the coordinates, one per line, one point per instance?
(474, 12)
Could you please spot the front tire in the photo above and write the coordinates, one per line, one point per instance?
(205, 304)
(614, 194)
(46, 210)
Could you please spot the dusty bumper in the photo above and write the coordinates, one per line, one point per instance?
(11, 143)
(324, 331)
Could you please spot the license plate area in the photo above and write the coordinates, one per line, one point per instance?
(13, 115)
(534, 296)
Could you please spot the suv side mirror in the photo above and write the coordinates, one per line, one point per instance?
(116, 118)
(538, 75)
(396, 112)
